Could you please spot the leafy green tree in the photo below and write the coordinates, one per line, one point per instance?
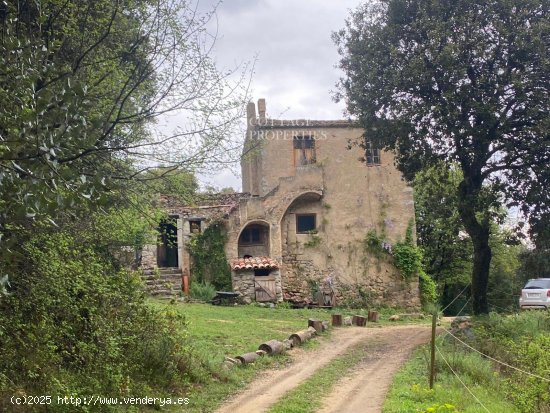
(82, 87)
(448, 249)
(462, 83)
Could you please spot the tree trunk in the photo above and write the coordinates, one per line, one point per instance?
(479, 231)
(480, 275)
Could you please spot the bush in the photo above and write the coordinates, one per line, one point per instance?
(522, 341)
(428, 289)
(203, 291)
(72, 325)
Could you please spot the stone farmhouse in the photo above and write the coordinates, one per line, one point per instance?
(297, 231)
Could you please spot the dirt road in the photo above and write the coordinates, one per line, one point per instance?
(362, 390)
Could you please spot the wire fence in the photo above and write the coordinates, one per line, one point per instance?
(461, 381)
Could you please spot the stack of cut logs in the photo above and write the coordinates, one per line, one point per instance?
(273, 347)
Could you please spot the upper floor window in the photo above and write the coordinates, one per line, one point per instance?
(372, 155)
(304, 150)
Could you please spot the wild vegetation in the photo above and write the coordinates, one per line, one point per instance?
(464, 84)
(503, 360)
(81, 163)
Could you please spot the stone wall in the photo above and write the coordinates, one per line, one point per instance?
(244, 283)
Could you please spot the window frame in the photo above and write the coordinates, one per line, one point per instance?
(373, 156)
(195, 222)
(301, 144)
(309, 231)
(250, 238)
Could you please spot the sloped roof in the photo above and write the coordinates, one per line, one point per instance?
(254, 263)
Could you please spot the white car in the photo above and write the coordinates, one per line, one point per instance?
(535, 294)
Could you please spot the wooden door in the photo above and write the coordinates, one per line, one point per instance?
(265, 289)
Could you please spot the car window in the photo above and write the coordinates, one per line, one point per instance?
(537, 284)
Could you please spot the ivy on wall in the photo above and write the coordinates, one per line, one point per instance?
(209, 260)
(407, 258)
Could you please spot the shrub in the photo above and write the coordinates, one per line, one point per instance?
(523, 341)
(203, 291)
(72, 325)
(428, 289)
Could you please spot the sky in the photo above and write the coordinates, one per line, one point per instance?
(295, 57)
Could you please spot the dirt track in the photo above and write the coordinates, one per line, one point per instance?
(362, 390)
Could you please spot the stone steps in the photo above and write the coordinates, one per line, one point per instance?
(162, 282)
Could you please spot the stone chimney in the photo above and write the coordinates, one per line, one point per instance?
(261, 110)
(250, 114)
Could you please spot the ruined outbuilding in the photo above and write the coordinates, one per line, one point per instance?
(297, 232)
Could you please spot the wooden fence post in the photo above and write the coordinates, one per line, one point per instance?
(432, 365)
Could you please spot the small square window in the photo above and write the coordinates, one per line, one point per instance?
(305, 223)
(195, 227)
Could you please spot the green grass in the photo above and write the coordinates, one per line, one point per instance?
(410, 391)
(218, 331)
(307, 397)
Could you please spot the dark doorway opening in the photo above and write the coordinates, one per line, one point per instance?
(167, 249)
(262, 272)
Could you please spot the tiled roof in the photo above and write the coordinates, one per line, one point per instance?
(254, 263)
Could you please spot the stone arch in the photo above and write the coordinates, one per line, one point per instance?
(254, 239)
(312, 194)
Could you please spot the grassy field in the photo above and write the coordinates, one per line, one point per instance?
(410, 391)
(218, 331)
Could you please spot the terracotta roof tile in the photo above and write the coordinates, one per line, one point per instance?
(253, 263)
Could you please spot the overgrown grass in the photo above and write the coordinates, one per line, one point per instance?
(410, 391)
(308, 396)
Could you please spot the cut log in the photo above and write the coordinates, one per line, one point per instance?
(337, 320)
(300, 337)
(316, 324)
(359, 320)
(272, 347)
(248, 358)
(374, 316)
(232, 360)
(288, 344)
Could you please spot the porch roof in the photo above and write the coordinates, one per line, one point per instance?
(253, 263)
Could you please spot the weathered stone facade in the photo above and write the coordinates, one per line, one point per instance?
(308, 203)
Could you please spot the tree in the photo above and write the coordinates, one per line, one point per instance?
(457, 82)
(84, 87)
